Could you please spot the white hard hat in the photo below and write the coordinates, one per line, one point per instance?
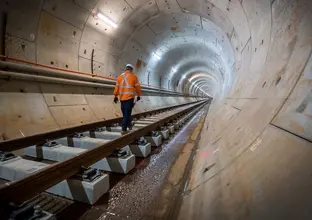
(129, 65)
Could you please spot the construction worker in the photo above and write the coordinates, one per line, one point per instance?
(126, 86)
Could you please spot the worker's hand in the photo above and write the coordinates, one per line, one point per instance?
(138, 98)
(116, 100)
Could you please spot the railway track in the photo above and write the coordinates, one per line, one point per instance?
(80, 155)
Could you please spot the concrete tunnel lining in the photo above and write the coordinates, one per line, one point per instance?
(253, 57)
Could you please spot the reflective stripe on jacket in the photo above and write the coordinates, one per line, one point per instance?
(127, 85)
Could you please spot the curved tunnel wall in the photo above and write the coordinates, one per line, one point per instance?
(69, 35)
(258, 69)
(253, 160)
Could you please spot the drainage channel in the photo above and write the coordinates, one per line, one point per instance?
(82, 163)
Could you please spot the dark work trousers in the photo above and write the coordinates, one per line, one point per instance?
(126, 108)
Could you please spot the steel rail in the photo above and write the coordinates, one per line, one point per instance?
(21, 190)
(37, 139)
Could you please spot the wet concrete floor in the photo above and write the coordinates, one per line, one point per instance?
(133, 196)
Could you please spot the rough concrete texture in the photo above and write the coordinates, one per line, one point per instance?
(142, 194)
(169, 200)
(28, 107)
(80, 190)
(253, 57)
(62, 153)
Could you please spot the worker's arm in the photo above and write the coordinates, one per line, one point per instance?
(138, 87)
(116, 90)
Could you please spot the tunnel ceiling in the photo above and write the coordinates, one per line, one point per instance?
(183, 50)
(187, 46)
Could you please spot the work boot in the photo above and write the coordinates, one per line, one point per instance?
(123, 132)
(131, 125)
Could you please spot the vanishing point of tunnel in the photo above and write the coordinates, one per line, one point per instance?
(246, 155)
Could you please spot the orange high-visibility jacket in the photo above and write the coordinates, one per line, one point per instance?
(126, 86)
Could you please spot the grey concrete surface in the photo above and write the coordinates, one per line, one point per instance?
(83, 191)
(137, 195)
(253, 57)
(62, 153)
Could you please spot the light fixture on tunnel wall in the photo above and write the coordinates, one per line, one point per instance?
(174, 70)
(156, 56)
(107, 20)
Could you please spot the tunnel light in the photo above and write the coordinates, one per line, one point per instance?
(107, 20)
(157, 57)
(174, 70)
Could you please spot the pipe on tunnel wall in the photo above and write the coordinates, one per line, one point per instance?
(35, 78)
(65, 73)
(62, 74)
(29, 77)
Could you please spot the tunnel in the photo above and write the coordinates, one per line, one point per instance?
(252, 60)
